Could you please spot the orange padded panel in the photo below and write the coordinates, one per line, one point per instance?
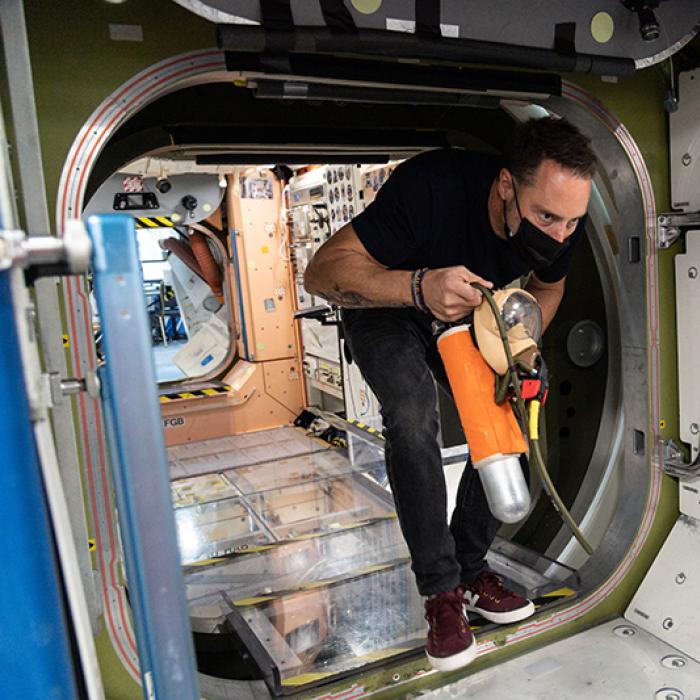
(489, 428)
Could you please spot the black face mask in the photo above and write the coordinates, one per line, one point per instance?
(534, 246)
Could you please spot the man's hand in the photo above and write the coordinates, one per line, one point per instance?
(448, 292)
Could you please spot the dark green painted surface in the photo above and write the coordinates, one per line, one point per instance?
(76, 65)
(637, 102)
(118, 684)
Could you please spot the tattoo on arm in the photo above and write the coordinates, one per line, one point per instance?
(353, 300)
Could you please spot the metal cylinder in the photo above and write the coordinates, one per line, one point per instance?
(504, 485)
(44, 250)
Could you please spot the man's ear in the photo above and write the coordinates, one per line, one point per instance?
(505, 184)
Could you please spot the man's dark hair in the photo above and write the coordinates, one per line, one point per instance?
(548, 138)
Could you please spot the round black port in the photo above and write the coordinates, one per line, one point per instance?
(189, 202)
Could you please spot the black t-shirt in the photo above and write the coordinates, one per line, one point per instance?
(433, 212)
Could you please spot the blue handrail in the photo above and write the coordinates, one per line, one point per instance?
(140, 465)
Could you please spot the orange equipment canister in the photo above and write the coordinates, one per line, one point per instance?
(494, 437)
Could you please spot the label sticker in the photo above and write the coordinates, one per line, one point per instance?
(256, 188)
(126, 32)
(173, 422)
(132, 183)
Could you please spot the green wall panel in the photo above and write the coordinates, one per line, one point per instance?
(76, 65)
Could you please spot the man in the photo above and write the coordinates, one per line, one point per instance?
(444, 219)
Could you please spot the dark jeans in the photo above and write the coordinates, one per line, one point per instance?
(397, 354)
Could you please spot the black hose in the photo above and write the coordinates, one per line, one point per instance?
(502, 384)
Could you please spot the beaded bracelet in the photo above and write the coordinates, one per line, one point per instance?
(417, 289)
(414, 296)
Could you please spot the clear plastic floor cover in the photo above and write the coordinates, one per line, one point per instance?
(296, 547)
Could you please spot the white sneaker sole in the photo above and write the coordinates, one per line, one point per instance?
(504, 618)
(452, 663)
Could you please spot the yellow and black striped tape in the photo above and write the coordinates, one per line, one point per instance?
(371, 657)
(554, 596)
(367, 428)
(153, 222)
(196, 393)
(355, 691)
(382, 654)
(190, 567)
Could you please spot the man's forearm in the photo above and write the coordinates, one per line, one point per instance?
(352, 281)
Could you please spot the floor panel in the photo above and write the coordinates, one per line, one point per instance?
(295, 548)
(615, 660)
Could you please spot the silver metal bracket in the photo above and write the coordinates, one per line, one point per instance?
(57, 388)
(73, 248)
(674, 462)
(687, 277)
(672, 225)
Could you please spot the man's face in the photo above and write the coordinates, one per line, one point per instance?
(554, 201)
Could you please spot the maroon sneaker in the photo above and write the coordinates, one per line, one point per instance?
(487, 596)
(450, 643)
